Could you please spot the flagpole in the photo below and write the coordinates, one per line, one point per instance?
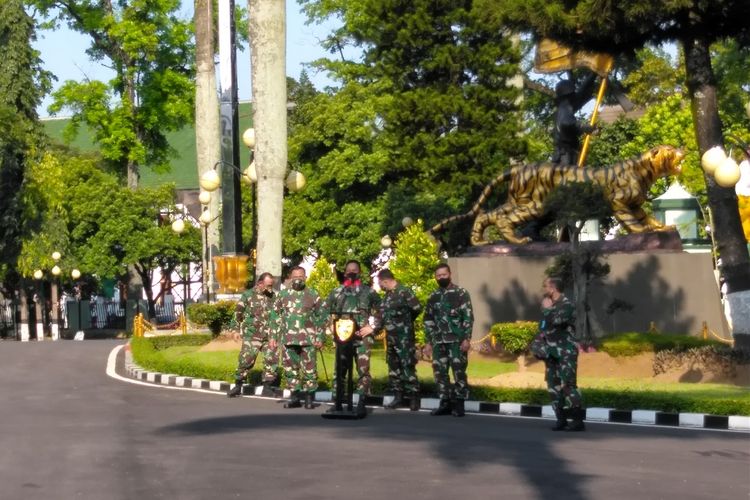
(595, 114)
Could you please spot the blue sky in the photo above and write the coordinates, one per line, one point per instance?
(63, 53)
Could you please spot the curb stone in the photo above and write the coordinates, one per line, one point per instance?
(638, 417)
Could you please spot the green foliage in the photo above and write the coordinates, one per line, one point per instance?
(322, 277)
(429, 111)
(216, 317)
(150, 50)
(633, 343)
(166, 341)
(414, 264)
(515, 337)
(22, 86)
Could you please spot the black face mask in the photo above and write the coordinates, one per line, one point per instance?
(443, 282)
(268, 292)
(351, 276)
(298, 284)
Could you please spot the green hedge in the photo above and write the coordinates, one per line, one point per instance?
(633, 343)
(216, 317)
(515, 337)
(147, 353)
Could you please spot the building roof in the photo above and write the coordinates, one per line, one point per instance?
(183, 168)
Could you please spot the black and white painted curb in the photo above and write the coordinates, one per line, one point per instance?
(638, 417)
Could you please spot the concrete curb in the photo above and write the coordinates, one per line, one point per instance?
(637, 417)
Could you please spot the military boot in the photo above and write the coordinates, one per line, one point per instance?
(398, 400)
(562, 419)
(443, 409)
(236, 390)
(458, 408)
(361, 409)
(577, 414)
(294, 402)
(414, 402)
(309, 400)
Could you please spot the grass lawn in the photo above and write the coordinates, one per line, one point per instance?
(624, 394)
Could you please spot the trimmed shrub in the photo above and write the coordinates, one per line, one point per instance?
(515, 337)
(216, 317)
(634, 343)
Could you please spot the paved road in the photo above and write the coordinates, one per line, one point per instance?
(68, 431)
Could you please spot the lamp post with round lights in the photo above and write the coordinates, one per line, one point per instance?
(39, 306)
(76, 275)
(230, 263)
(55, 296)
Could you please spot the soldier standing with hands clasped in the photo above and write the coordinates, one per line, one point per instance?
(399, 309)
(359, 302)
(253, 316)
(298, 328)
(448, 320)
(555, 344)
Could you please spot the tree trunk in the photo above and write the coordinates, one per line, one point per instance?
(207, 143)
(579, 284)
(728, 234)
(268, 44)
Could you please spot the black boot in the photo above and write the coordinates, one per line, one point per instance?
(458, 408)
(414, 402)
(443, 409)
(361, 409)
(236, 390)
(562, 420)
(309, 401)
(294, 402)
(577, 414)
(398, 400)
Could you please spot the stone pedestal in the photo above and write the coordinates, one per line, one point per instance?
(651, 281)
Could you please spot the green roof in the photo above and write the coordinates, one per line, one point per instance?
(183, 169)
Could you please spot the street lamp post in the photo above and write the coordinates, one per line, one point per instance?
(39, 304)
(55, 297)
(76, 275)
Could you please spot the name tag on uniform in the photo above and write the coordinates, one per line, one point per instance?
(344, 329)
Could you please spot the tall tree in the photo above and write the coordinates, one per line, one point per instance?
(22, 86)
(421, 120)
(268, 45)
(623, 27)
(151, 51)
(207, 142)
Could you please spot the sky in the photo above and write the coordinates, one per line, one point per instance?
(63, 53)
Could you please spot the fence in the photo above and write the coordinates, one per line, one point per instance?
(99, 314)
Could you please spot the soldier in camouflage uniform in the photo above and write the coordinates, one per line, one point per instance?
(555, 344)
(448, 320)
(399, 309)
(298, 328)
(254, 317)
(362, 304)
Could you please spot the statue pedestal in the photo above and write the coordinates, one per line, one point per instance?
(651, 280)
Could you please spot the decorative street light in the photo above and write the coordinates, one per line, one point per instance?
(55, 296)
(39, 305)
(76, 275)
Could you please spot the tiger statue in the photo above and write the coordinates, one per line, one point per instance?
(625, 185)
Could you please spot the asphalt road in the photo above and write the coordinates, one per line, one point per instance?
(68, 431)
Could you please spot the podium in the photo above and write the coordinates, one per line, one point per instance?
(344, 327)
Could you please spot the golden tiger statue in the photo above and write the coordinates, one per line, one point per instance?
(625, 185)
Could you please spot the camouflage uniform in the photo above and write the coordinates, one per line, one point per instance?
(399, 309)
(555, 345)
(448, 320)
(254, 315)
(362, 303)
(297, 327)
